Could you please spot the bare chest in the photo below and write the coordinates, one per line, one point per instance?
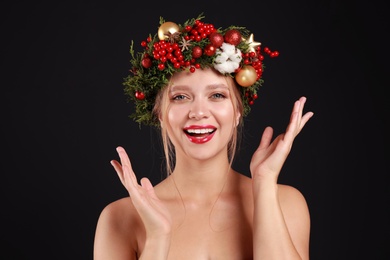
(222, 233)
(212, 242)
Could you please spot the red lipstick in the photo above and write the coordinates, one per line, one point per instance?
(200, 134)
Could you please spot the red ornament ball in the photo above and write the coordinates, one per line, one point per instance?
(196, 52)
(216, 39)
(233, 37)
(210, 50)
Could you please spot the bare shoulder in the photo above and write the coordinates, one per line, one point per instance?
(118, 230)
(121, 209)
(289, 192)
(291, 199)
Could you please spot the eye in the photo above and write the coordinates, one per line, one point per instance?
(218, 96)
(178, 97)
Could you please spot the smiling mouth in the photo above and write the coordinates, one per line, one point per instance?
(200, 132)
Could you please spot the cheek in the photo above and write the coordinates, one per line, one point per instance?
(176, 118)
(174, 114)
(224, 112)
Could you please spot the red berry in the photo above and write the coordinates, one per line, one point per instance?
(163, 59)
(139, 95)
(176, 65)
(146, 62)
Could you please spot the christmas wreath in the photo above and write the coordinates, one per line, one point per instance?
(193, 45)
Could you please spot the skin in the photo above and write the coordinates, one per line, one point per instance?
(205, 209)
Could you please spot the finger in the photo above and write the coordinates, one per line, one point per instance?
(147, 185)
(305, 119)
(131, 183)
(129, 176)
(123, 156)
(294, 121)
(302, 106)
(297, 120)
(302, 120)
(302, 102)
(118, 169)
(266, 138)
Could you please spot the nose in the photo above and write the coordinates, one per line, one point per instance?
(199, 110)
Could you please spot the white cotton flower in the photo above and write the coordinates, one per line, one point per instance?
(227, 59)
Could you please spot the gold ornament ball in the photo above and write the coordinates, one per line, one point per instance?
(166, 29)
(247, 76)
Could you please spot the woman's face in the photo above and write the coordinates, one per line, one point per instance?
(201, 113)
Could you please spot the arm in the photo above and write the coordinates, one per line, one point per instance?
(281, 218)
(281, 224)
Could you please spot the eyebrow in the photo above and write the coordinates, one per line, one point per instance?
(186, 87)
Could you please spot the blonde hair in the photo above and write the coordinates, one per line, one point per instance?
(161, 108)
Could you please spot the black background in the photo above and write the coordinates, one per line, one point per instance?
(63, 112)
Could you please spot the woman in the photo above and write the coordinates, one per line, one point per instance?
(204, 209)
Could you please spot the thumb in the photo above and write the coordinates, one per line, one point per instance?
(148, 187)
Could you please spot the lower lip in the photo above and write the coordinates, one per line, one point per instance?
(201, 140)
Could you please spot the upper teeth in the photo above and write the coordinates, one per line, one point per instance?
(200, 131)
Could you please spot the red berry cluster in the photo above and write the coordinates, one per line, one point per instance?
(255, 60)
(165, 51)
(251, 97)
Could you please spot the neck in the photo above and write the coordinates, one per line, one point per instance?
(201, 180)
(207, 170)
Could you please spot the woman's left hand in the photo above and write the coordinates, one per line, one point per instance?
(268, 159)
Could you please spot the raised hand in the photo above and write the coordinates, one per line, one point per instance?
(154, 214)
(268, 159)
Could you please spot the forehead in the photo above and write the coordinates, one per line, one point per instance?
(201, 77)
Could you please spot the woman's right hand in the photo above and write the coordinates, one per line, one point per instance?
(154, 214)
